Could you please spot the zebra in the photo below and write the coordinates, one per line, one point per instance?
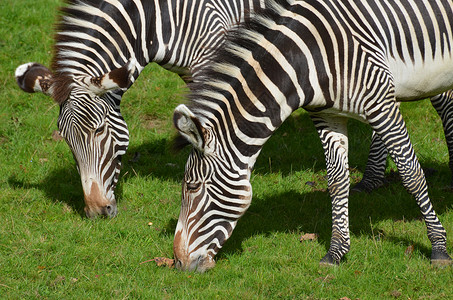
(337, 59)
(100, 49)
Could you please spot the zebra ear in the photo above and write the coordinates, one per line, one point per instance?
(116, 79)
(189, 126)
(34, 77)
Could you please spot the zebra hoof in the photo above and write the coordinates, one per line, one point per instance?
(328, 260)
(367, 186)
(440, 259)
(361, 187)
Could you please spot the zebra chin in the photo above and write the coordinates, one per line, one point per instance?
(96, 203)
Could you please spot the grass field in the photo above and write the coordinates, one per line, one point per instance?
(48, 249)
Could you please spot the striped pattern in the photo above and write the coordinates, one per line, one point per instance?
(213, 218)
(336, 59)
(373, 177)
(94, 38)
(97, 43)
(97, 152)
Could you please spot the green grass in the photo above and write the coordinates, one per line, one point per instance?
(48, 249)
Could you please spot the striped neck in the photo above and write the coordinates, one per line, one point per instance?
(93, 40)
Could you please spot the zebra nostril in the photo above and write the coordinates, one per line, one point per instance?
(178, 264)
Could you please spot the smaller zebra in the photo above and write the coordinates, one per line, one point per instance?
(100, 49)
(337, 59)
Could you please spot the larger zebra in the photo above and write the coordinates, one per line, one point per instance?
(100, 49)
(335, 58)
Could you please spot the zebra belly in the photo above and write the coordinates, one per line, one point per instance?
(421, 80)
(334, 112)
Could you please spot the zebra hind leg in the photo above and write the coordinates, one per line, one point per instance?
(443, 104)
(390, 126)
(333, 134)
(373, 177)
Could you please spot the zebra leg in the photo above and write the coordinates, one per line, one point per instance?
(333, 134)
(374, 175)
(390, 126)
(443, 104)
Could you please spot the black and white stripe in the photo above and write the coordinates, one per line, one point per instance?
(336, 59)
(97, 45)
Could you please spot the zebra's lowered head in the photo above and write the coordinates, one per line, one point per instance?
(216, 192)
(91, 123)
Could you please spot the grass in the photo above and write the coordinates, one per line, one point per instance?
(48, 249)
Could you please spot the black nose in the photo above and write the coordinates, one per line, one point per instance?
(178, 264)
(110, 210)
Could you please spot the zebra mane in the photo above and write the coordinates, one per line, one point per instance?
(211, 83)
(75, 54)
(61, 82)
(74, 25)
(240, 40)
(61, 25)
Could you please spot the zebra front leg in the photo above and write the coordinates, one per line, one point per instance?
(443, 104)
(390, 126)
(374, 174)
(333, 134)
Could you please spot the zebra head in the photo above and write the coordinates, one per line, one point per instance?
(91, 124)
(215, 194)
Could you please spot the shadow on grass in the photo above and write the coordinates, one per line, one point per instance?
(62, 185)
(310, 212)
(294, 147)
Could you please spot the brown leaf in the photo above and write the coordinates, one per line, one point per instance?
(43, 160)
(164, 262)
(409, 250)
(58, 280)
(345, 298)
(56, 136)
(309, 237)
(395, 294)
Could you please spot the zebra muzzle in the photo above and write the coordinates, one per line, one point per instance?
(97, 204)
(199, 264)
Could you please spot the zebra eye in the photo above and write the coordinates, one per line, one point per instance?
(100, 129)
(193, 186)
